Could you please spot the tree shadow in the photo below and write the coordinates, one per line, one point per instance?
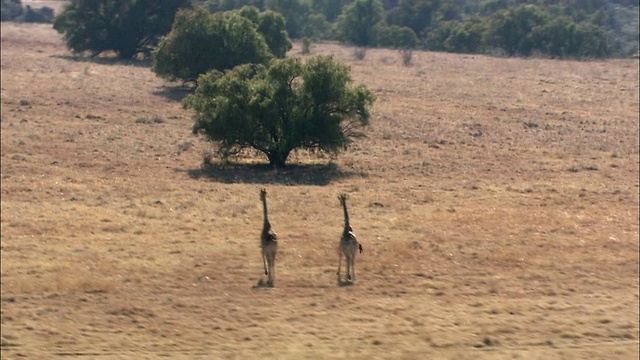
(292, 174)
(106, 60)
(175, 93)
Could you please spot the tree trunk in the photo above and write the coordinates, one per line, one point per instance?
(278, 159)
(127, 51)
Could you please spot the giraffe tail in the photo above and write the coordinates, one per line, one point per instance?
(360, 247)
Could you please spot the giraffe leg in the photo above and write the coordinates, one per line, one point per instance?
(339, 263)
(272, 265)
(353, 268)
(270, 276)
(264, 261)
(349, 268)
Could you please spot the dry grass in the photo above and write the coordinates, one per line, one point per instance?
(497, 201)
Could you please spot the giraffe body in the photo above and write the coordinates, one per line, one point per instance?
(268, 243)
(349, 245)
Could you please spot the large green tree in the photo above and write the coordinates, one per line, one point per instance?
(127, 27)
(200, 42)
(356, 24)
(511, 29)
(275, 109)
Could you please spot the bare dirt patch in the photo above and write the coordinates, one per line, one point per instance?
(497, 201)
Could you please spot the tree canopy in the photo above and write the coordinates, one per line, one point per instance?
(128, 27)
(275, 109)
(200, 42)
(357, 22)
(272, 26)
(558, 28)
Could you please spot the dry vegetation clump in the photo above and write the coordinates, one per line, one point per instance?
(496, 199)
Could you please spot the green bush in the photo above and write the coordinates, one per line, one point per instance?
(465, 37)
(399, 37)
(564, 38)
(317, 27)
(272, 26)
(306, 46)
(200, 42)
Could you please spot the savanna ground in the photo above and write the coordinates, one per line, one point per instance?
(496, 199)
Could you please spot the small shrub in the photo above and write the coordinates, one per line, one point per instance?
(185, 145)
(155, 119)
(306, 46)
(407, 55)
(359, 53)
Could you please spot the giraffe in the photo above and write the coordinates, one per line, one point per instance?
(268, 242)
(349, 244)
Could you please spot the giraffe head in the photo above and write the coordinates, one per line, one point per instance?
(263, 194)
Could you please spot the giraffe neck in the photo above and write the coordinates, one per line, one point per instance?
(347, 227)
(266, 217)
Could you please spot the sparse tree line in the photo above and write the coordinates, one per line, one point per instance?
(556, 28)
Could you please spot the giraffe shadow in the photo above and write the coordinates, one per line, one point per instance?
(109, 59)
(262, 285)
(343, 283)
(292, 174)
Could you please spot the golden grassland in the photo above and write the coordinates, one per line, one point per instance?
(496, 199)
